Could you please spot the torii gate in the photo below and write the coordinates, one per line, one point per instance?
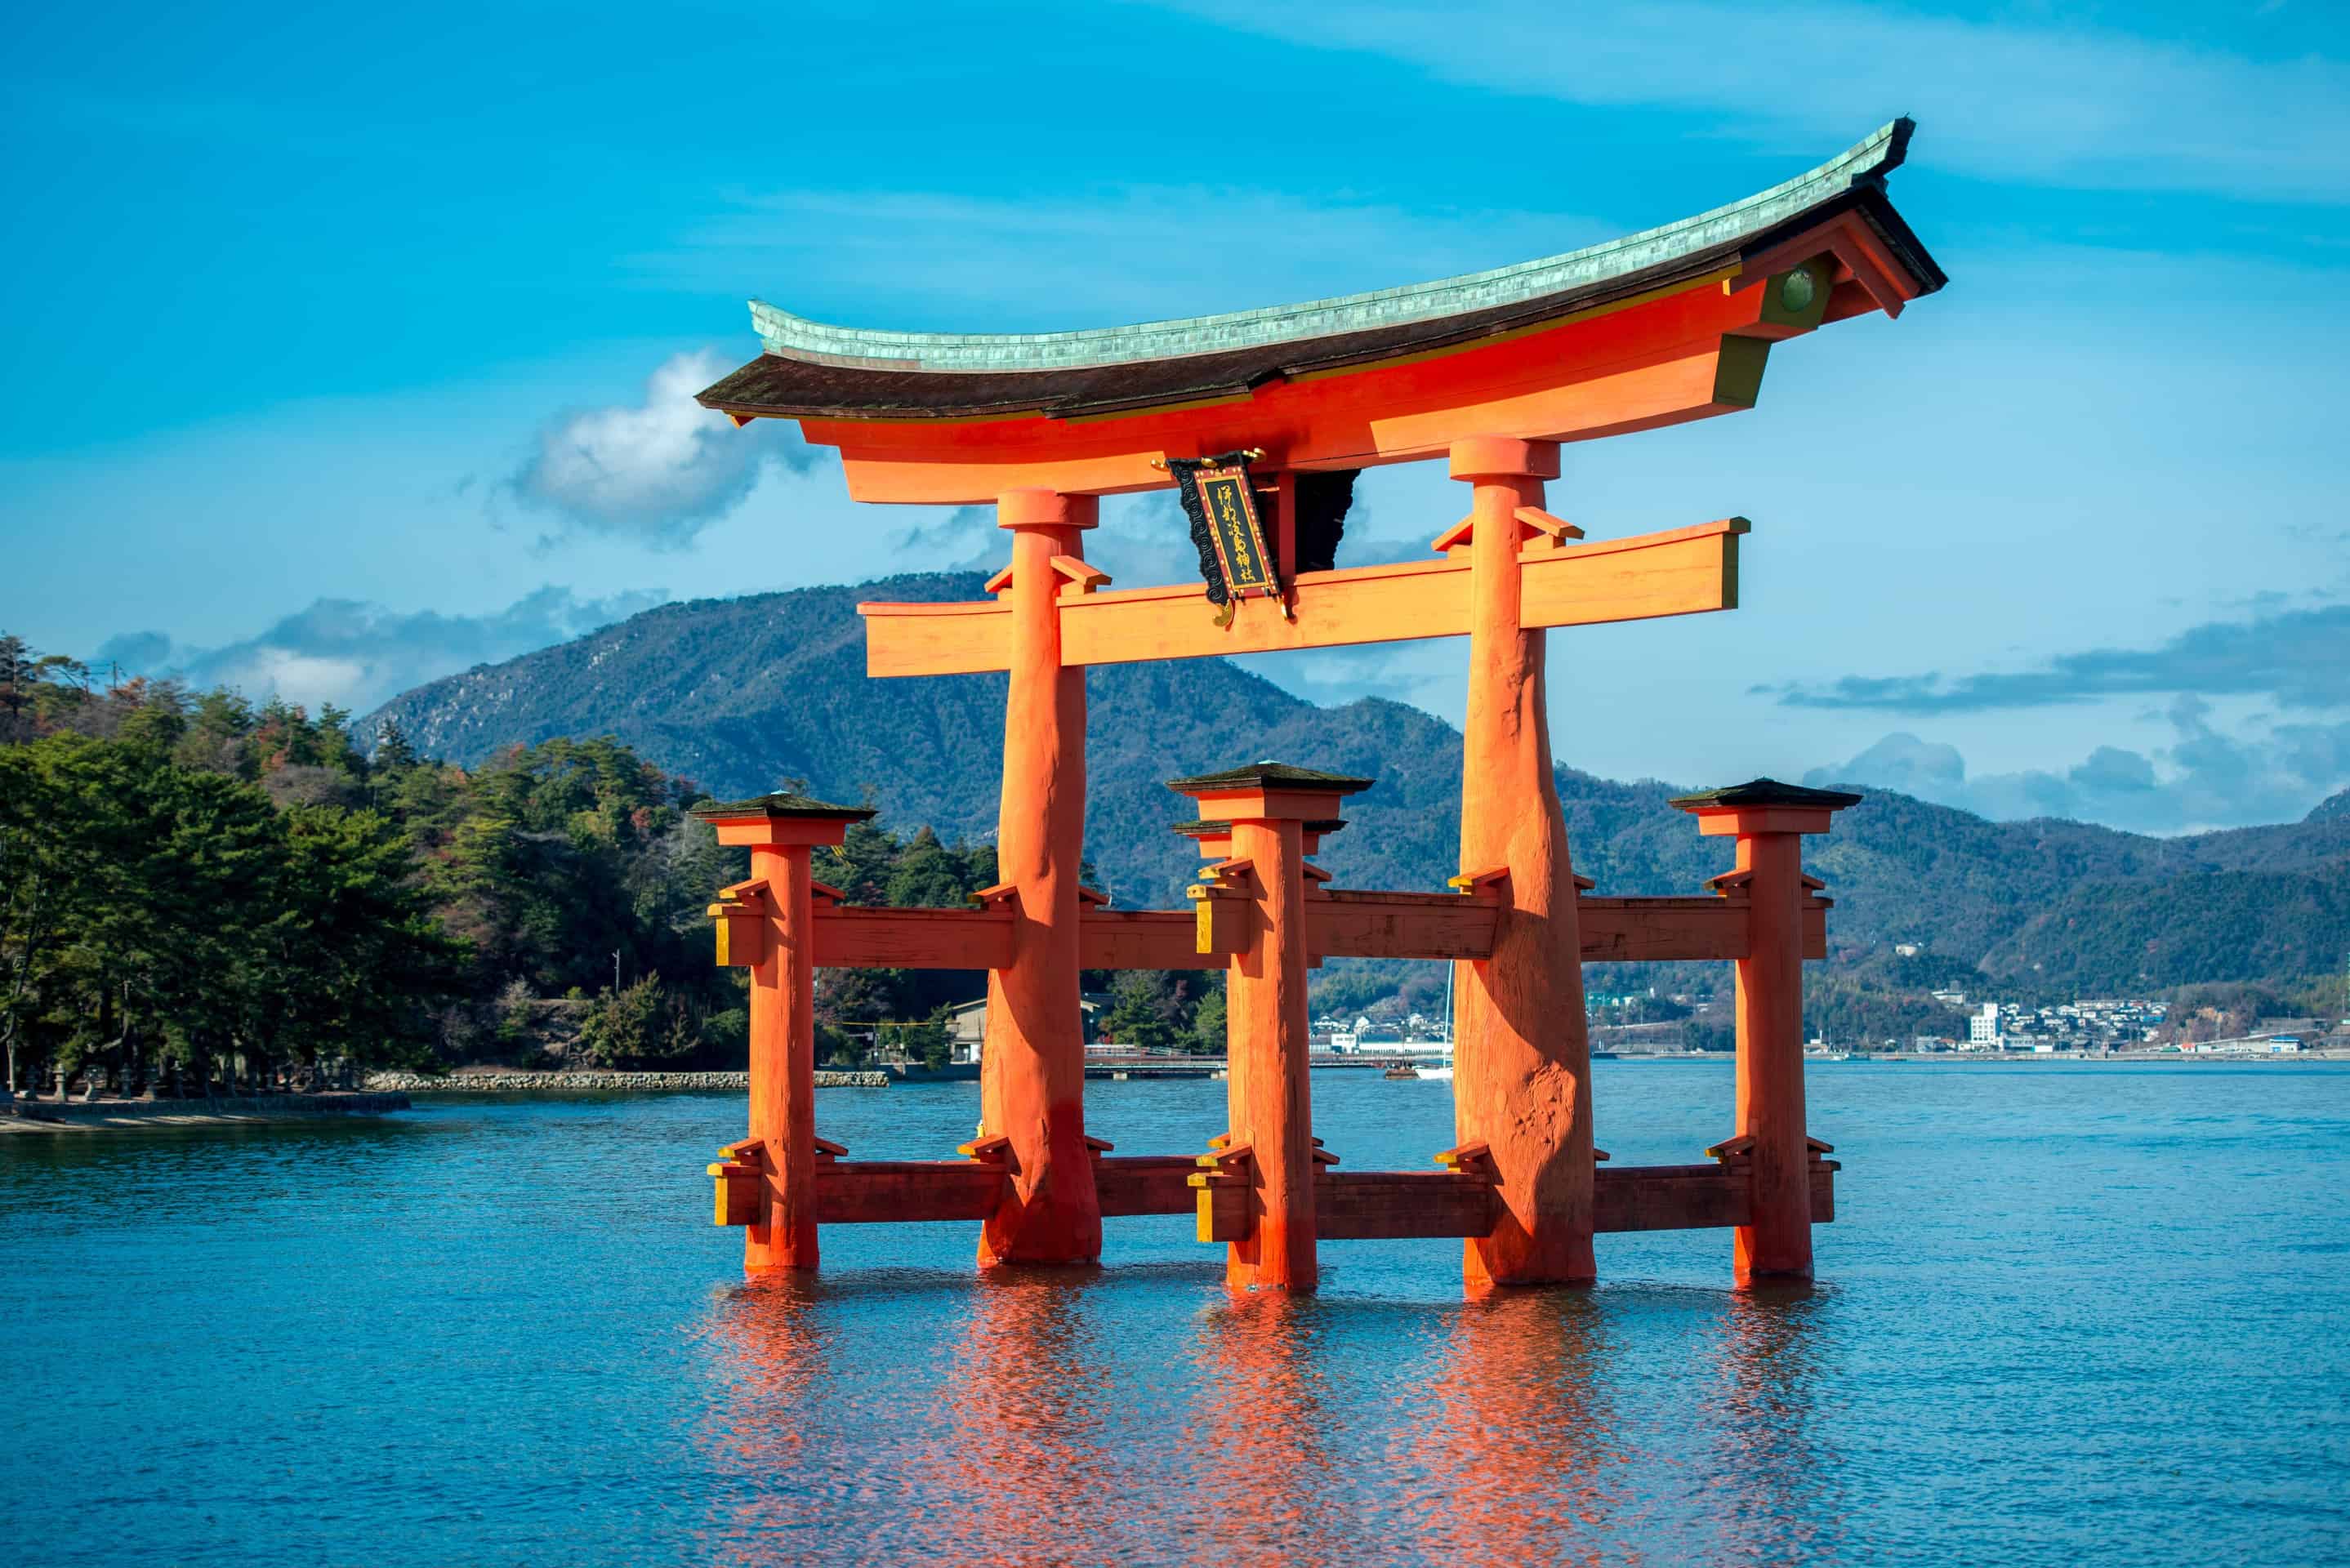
(1491, 371)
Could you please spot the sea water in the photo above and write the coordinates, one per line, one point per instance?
(2066, 1314)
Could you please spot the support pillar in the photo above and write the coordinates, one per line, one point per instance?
(1769, 820)
(1522, 1056)
(1267, 807)
(1033, 1060)
(767, 923)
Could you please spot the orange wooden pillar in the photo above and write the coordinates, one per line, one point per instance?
(1769, 819)
(767, 923)
(1033, 1060)
(1267, 1027)
(1521, 1079)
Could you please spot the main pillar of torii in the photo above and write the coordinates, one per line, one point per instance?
(1033, 1058)
(1522, 1083)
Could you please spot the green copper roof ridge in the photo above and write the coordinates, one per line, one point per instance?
(1863, 164)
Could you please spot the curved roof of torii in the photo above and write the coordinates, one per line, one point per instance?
(813, 370)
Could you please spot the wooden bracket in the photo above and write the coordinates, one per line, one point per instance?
(1558, 530)
(1475, 1159)
(1099, 1145)
(1730, 882)
(744, 1151)
(828, 1150)
(735, 1193)
(998, 583)
(1492, 884)
(1816, 1149)
(1733, 1150)
(1583, 884)
(827, 891)
(1237, 874)
(752, 891)
(1083, 576)
(1323, 1155)
(996, 1150)
(1093, 897)
(1220, 918)
(1598, 1154)
(1315, 876)
(740, 919)
(1537, 523)
(1003, 895)
(1232, 1160)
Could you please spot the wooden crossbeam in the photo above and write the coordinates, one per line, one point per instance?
(1379, 1204)
(1340, 923)
(1683, 571)
(1363, 1205)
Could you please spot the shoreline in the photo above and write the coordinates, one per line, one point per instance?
(55, 1116)
(511, 1082)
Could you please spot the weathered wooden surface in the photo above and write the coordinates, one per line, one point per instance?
(1145, 1183)
(876, 1191)
(850, 937)
(1522, 1080)
(1343, 923)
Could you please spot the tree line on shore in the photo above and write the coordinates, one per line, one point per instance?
(198, 893)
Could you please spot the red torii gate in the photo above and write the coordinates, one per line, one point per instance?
(1493, 371)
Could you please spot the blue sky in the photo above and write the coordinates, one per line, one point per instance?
(350, 348)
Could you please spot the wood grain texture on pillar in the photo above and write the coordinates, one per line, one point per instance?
(1521, 1079)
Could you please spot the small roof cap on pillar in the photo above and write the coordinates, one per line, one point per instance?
(782, 803)
(1271, 775)
(1757, 792)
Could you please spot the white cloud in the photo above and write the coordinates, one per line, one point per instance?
(658, 471)
(2205, 778)
(357, 655)
(2060, 105)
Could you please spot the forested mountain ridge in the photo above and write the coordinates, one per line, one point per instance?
(742, 693)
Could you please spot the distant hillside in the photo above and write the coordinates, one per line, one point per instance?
(739, 694)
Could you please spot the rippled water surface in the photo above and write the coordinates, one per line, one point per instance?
(2067, 1315)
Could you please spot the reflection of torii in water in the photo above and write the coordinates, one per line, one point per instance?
(1491, 371)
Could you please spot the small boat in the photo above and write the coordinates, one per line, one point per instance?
(1440, 1070)
(1402, 1070)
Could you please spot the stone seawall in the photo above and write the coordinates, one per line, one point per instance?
(515, 1082)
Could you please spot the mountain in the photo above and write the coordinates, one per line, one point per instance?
(739, 694)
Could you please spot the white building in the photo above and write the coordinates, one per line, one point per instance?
(1982, 1028)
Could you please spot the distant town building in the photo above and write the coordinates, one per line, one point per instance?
(1982, 1028)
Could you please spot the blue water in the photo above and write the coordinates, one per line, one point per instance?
(2066, 1315)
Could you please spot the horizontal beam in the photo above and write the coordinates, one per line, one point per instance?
(874, 1191)
(1349, 1206)
(1689, 1197)
(1340, 923)
(1343, 923)
(1144, 1183)
(1683, 571)
(1379, 1204)
(858, 937)
(1141, 938)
